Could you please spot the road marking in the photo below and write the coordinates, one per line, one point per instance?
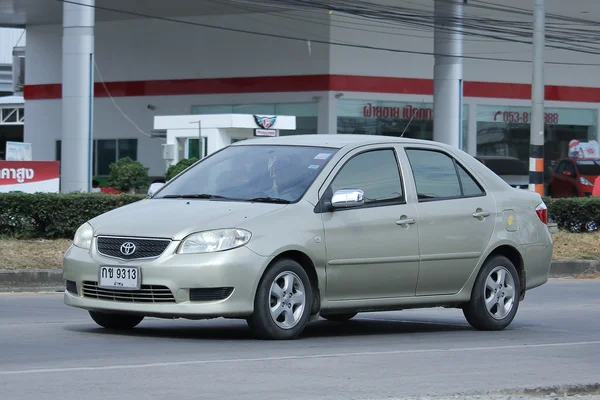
(304, 357)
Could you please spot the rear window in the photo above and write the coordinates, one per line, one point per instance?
(588, 167)
(507, 166)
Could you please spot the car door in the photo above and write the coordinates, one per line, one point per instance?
(372, 250)
(456, 220)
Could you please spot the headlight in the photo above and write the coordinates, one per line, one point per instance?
(584, 181)
(213, 241)
(83, 236)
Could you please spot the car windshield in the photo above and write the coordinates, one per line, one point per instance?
(588, 167)
(507, 166)
(260, 173)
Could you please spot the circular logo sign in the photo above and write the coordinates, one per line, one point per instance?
(127, 248)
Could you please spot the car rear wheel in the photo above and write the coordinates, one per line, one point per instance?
(495, 298)
(116, 321)
(339, 317)
(282, 302)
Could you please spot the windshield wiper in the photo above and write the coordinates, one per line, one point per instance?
(193, 196)
(269, 200)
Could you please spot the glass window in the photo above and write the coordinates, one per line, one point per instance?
(389, 118)
(435, 174)
(588, 167)
(194, 148)
(375, 172)
(242, 173)
(505, 131)
(107, 154)
(58, 149)
(106, 151)
(469, 186)
(127, 148)
(505, 165)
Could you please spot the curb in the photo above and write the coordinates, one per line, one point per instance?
(35, 280)
(38, 280)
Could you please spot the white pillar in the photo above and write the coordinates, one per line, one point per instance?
(448, 72)
(77, 95)
(327, 111)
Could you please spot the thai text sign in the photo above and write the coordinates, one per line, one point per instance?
(29, 176)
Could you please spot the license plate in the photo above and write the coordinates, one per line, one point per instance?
(126, 278)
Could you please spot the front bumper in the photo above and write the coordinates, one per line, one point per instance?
(173, 285)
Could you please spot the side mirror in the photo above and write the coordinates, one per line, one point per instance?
(155, 187)
(348, 198)
(567, 173)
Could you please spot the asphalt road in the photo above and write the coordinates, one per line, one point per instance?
(51, 351)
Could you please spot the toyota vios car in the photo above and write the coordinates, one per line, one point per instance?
(279, 231)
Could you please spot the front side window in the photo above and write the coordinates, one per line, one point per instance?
(374, 172)
(438, 176)
(268, 173)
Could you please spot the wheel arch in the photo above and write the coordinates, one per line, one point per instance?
(515, 257)
(309, 266)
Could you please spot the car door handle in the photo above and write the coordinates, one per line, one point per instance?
(481, 214)
(406, 221)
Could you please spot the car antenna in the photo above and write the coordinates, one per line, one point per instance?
(411, 118)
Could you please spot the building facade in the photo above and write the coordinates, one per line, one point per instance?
(149, 67)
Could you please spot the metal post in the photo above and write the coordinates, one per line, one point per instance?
(448, 72)
(77, 95)
(536, 152)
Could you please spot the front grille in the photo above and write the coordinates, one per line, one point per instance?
(71, 287)
(147, 294)
(142, 248)
(210, 294)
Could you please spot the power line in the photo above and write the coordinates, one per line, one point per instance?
(304, 40)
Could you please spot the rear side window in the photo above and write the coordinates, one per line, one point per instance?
(469, 186)
(439, 176)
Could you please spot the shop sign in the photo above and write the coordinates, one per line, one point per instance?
(406, 112)
(17, 151)
(265, 122)
(522, 115)
(265, 132)
(29, 176)
(579, 149)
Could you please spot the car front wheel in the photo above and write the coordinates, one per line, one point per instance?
(282, 302)
(495, 298)
(116, 321)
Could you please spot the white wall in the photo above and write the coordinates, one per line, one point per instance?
(150, 50)
(155, 50)
(362, 32)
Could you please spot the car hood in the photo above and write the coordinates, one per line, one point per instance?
(177, 218)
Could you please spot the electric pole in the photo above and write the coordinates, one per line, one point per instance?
(537, 136)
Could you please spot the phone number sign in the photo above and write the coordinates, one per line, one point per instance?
(523, 115)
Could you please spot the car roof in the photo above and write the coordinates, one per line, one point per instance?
(337, 141)
(498, 158)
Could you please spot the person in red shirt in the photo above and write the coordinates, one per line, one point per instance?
(596, 191)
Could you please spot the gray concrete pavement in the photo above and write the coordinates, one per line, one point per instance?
(48, 350)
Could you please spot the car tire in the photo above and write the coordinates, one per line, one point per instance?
(116, 321)
(339, 317)
(281, 314)
(492, 289)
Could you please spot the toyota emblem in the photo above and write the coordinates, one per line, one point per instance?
(127, 248)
